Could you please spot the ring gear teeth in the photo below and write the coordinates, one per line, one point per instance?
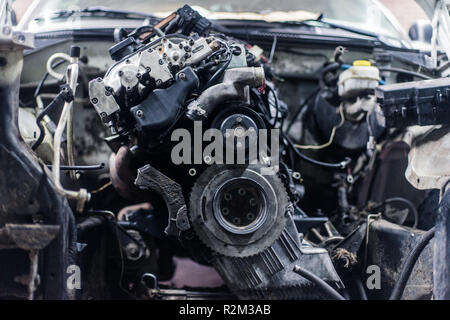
(262, 269)
(214, 236)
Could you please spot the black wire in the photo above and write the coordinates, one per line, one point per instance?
(308, 99)
(360, 287)
(261, 105)
(409, 204)
(57, 102)
(277, 104)
(39, 118)
(80, 168)
(319, 282)
(222, 69)
(409, 264)
(41, 83)
(341, 165)
(114, 224)
(411, 73)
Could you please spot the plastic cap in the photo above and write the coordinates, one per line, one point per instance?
(361, 63)
(75, 51)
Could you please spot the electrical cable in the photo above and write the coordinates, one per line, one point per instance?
(319, 282)
(115, 225)
(66, 95)
(222, 69)
(340, 165)
(45, 76)
(360, 288)
(408, 203)
(409, 264)
(277, 104)
(307, 100)
(333, 133)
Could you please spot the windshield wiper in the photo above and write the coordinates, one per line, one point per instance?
(328, 24)
(332, 25)
(100, 12)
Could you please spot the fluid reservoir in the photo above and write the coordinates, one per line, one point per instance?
(361, 78)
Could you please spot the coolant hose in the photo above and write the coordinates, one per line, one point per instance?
(409, 264)
(319, 282)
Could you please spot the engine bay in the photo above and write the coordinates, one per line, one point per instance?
(277, 168)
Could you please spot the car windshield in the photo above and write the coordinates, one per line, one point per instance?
(361, 14)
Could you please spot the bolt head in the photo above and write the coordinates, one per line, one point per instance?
(139, 113)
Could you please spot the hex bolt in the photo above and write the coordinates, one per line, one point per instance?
(94, 100)
(6, 31)
(103, 114)
(139, 113)
(207, 159)
(20, 37)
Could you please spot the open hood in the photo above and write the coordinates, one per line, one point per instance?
(438, 12)
(428, 6)
(272, 16)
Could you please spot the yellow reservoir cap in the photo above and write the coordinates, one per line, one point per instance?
(361, 63)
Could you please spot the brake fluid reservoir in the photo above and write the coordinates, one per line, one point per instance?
(359, 79)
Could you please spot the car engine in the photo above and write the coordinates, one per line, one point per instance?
(241, 218)
(180, 142)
